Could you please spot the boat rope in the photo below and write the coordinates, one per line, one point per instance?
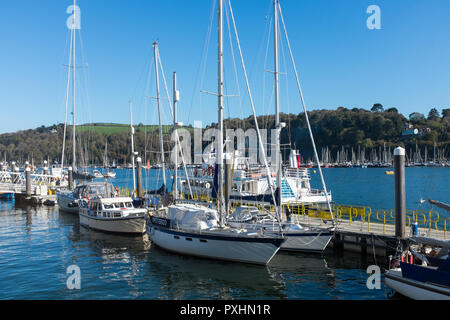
(373, 250)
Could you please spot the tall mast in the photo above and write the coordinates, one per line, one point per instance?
(155, 48)
(219, 151)
(73, 87)
(277, 107)
(132, 146)
(175, 100)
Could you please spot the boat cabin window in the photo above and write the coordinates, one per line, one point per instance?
(76, 193)
(108, 206)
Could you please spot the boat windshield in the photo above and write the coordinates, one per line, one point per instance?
(123, 205)
(104, 190)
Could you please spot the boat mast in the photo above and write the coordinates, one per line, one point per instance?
(277, 107)
(219, 151)
(132, 146)
(155, 48)
(73, 87)
(175, 100)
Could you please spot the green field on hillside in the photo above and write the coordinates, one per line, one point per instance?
(111, 128)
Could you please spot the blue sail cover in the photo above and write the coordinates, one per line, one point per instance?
(215, 186)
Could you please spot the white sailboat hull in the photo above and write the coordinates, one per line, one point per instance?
(307, 240)
(215, 247)
(116, 225)
(415, 289)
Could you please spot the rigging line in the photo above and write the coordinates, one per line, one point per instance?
(176, 132)
(306, 115)
(146, 107)
(234, 63)
(264, 73)
(67, 103)
(204, 58)
(261, 42)
(269, 177)
(283, 55)
(85, 75)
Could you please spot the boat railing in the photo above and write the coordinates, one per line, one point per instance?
(296, 173)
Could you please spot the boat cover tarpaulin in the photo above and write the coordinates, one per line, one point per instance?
(193, 217)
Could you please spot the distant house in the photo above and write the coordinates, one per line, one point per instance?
(409, 130)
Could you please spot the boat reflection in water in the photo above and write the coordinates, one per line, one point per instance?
(184, 276)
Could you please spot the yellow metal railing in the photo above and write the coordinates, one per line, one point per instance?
(344, 213)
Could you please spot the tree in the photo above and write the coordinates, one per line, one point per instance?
(446, 113)
(377, 107)
(416, 116)
(433, 114)
(394, 110)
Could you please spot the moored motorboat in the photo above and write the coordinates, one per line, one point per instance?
(110, 174)
(69, 200)
(116, 215)
(97, 174)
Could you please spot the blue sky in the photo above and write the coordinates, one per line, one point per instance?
(341, 62)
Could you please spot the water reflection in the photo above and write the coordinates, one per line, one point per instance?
(183, 276)
(39, 243)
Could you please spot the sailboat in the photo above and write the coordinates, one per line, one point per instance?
(78, 175)
(108, 173)
(298, 237)
(197, 230)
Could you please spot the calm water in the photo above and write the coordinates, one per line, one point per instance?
(38, 244)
